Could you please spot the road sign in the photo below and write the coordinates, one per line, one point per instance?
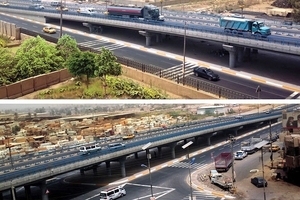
(193, 161)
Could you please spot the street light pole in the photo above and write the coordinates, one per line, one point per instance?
(263, 171)
(184, 46)
(232, 141)
(186, 146)
(161, 2)
(271, 157)
(60, 22)
(146, 147)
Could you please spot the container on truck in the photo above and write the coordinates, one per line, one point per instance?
(222, 181)
(148, 12)
(244, 26)
(223, 161)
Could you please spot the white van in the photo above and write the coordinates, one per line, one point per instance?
(87, 11)
(112, 193)
(115, 146)
(55, 3)
(36, 7)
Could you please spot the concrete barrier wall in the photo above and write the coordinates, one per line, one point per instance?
(10, 30)
(14, 90)
(53, 78)
(29, 85)
(3, 92)
(168, 86)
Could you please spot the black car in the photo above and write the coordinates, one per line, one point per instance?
(205, 73)
(259, 182)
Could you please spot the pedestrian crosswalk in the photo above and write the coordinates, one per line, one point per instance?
(99, 44)
(187, 165)
(176, 72)
(197, 195)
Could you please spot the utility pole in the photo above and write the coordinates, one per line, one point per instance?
(232, 141)
(184, 46)
(263, 170)
(271, 157)
(60, 22)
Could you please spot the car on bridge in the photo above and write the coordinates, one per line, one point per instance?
(63, 8)
(128, 136)
(205, 73)
(4, 4)
(49, 29)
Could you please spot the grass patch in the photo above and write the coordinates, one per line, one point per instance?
(95, 90)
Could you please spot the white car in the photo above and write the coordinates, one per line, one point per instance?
(240, 155)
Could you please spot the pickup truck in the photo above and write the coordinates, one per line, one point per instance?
(222, 181)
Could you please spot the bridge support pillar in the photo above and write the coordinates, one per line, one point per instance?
(1, 196)
(27, 192)
(172, 146)
(122, 165)
(136, 155)
(81, 171)
(108, 169)
(44, 191)
(232, 55)
(158, 38)
(255, 51)
(159, 152)
(95, 169)
(235, 130)
(240, 54)
(196, 140)
(13, 193)
(208, 141)
(247, 55)
(148, 37)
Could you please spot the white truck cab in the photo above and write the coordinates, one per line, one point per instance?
(86, 11)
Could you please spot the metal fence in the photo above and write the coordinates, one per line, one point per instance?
(193, 82)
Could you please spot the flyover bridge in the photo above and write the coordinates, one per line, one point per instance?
(234, 44)
(28, 172)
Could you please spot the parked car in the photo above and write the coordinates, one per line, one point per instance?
(205, 73)
(259, 182)
(49, 29)
(240, 155)
(274, 148)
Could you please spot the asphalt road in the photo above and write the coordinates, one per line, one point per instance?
(165, 63)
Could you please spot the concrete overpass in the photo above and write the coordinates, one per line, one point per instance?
(238, 47)
(37, 174)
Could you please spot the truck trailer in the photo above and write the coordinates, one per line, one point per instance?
(223, 161)
(244, 26)
(148, 12)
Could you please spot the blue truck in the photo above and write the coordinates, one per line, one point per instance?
(244, 26)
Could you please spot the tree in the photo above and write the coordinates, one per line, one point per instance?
(6, 65)
(16, 116)
(82, 63)
(36, 57)
(66, 46)
(106, 64)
